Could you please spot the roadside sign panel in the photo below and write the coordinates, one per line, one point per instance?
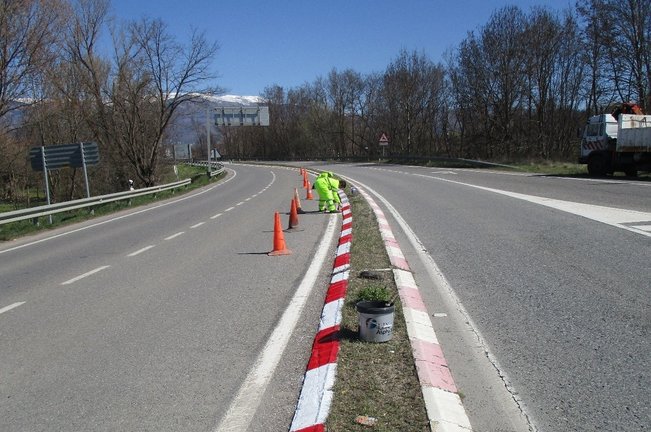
(384, 141)
(242, 116)
(62, 156)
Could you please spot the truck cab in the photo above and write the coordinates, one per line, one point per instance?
(600, 133)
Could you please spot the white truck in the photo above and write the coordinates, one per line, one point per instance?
(617, 142)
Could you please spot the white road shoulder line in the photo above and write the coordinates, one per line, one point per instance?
(175, 235)
(197, 225)
(10, 307)
(243, 407)
(92, 272)
(608, 215)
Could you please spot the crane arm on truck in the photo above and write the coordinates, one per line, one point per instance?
(627, 108)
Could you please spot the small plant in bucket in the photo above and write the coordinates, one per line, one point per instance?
(379, 293)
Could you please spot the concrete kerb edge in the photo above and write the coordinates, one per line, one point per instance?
(316, 395)
(444, 407)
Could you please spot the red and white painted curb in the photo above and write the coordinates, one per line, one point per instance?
(316, 395)
(442, 402)
(444, 407)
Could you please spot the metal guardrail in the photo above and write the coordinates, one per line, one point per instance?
(46, 210)
(219, 168)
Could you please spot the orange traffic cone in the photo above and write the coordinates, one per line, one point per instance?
(309, 192)
(279, 239)
(300, 171)
(305, 179)
(299, 210)
(293, 215)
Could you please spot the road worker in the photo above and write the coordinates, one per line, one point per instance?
(327, 186)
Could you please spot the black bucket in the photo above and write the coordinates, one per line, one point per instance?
(375, 321)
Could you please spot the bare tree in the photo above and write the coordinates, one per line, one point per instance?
(622, 29)
(28, 31)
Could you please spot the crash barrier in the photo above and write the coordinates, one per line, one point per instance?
(47, 210)
(218, 167)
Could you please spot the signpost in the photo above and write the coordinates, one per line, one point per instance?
(53, 157)
(236, 116)
(384, 142)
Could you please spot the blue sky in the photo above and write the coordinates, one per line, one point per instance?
(293, 42)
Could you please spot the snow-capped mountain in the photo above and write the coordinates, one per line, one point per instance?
(233, 100)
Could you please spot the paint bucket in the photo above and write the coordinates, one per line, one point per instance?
(375, 321)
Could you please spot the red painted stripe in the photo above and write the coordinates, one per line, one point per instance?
(342, 260)
(411, 298)
(313, 428)
(325, 348)
(336, 291)
(345, 239)
(432, 368)
(399, 262)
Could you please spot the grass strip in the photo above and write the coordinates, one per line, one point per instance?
(374, 379)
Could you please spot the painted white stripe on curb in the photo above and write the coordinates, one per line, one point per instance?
(318, 382)
(449, 414)
(343, 249)
(331, 314)
(419, 325)
(339, 277)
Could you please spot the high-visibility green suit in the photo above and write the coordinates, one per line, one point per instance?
(327, 186)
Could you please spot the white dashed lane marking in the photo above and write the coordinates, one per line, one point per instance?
(139, 251)
(92, 272)
(10, 307)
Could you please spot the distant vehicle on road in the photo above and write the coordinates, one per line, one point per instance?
(620, 141)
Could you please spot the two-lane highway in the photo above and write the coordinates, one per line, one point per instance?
(537, 285)
(152, 319)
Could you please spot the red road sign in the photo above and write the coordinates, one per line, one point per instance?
(384, 140)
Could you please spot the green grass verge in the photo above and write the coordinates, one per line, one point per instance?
(18, 229)
(374, 379)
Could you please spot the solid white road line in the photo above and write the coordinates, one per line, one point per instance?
(10, 307)
(98, 269)
(138, 252)
(608, 215)
(243, 407)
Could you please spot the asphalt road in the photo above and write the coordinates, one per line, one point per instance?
(152, 319)
(548, 313)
